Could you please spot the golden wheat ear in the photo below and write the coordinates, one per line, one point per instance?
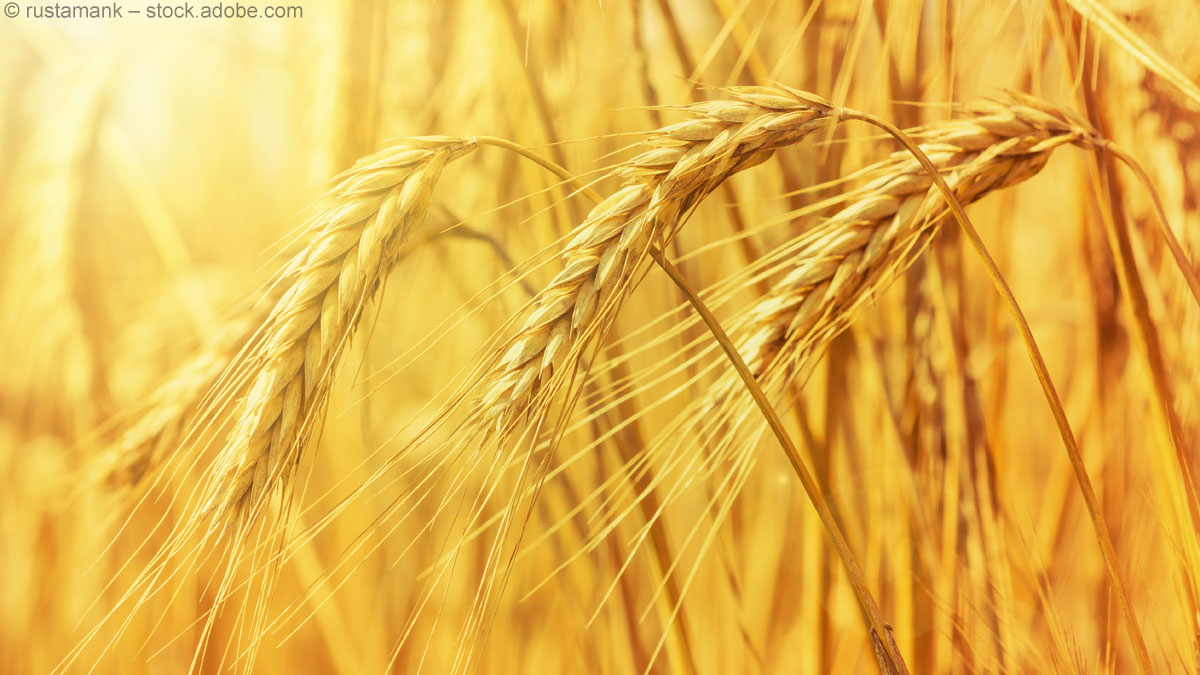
(859, 250)
(350, 247)
(601, 263)
(686, 162)
(282, 353)
(874, 238)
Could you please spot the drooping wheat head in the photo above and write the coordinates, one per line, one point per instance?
(854, 254)
(687, 162)
(350, 248)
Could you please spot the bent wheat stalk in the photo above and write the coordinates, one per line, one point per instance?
(608, 252)
(351, 247)
(286, 368)
(888, 654)
(836, 268)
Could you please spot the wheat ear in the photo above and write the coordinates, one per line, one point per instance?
(869, 242)
(687, 161)
(350, 248)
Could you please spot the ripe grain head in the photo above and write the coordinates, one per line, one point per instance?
(686, 162)
(350, 247)
(860, 249)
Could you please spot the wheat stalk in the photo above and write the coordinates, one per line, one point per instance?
(875, 238)
(834, 269)
(289, 359)
(601, 263)
(688, 161)
(351, 247)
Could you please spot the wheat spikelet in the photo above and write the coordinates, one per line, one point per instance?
(351, 247)
(687, 162)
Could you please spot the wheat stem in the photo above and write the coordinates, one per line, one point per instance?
(811, 487)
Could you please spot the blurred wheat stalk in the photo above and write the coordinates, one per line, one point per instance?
(452, 416)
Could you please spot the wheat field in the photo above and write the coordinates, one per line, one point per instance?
(610, 336)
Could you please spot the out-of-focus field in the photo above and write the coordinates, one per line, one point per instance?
(157, 176)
